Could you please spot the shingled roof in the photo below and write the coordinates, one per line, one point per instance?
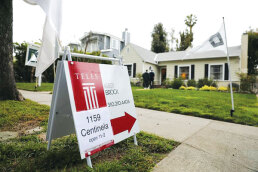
(146, 55)
(154, 58)
(182, 55)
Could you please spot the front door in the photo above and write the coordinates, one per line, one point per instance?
(163, 74)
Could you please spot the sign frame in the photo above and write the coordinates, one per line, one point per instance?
(63, 85)
(31, 47)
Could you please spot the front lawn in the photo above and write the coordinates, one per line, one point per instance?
(31, 86)
(17, 115)
(206, 104)
(29, 152)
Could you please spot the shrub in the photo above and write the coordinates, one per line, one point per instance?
(177, 83)
(167, 83)
(204, 88)
(235, 87)
(133, 84)
(222, 89)
(247, 82)
(191, 88)
(206, 81)
(191, 83)
(203, 82)
(213, 88)
(182, 88)
(184, 84)
(208, 88)
(139, 79)
(213, 83)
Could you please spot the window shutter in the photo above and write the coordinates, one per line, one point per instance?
(134, 70)
(192, 71)
(175, 71)
(226, 74)
(206, 72)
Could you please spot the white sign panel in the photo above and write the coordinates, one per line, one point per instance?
(120, 101)
(94, 128)
(101, 105)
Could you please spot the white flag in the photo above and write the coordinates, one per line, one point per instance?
(216, 43)
(49, 50)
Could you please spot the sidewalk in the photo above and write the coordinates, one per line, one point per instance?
(206, 145)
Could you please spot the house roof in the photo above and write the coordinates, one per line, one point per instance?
(101, 33)
(146, 55)
(154, 58)
(171, 56)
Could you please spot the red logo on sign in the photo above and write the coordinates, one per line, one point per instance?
(87, 86)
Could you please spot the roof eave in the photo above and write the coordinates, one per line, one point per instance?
(198, 58)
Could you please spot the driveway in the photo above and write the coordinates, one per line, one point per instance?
(207, 145)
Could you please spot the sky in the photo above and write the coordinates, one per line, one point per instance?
(139, 16)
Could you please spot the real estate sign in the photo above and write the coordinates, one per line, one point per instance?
(31, 55)
(95, 101)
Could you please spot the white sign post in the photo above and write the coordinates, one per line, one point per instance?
(94, 101)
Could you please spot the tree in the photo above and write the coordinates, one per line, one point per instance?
(186, 37)
(252, 51)
(22, 73)
(88, 39)
(190, 21)
(8, 90)
(159, 39)
(173, 39)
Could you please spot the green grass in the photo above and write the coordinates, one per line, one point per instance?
(14, 113)
(28, 153)
(206, 104)
(31, 86)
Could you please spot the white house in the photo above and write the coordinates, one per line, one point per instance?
(170, 65)
(108, 44)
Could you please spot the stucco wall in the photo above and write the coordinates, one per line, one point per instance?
(130, 56)
(200, 68)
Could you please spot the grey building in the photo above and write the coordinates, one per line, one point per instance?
(75, 46)
(108, 44)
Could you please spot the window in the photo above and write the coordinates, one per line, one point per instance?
(129, 68)
(184, 72)
(216, 72)
(115, 44)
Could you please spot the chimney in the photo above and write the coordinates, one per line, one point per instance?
(126, 36)
(244, 53)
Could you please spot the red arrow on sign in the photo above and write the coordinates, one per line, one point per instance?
(122, 123)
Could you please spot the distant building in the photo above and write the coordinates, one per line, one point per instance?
(170, 65)
(108, 44)
(75, 46)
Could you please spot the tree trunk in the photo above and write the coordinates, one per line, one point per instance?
(32, 74)
(8, 89)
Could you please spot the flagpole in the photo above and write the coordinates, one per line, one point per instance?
(230, 81)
